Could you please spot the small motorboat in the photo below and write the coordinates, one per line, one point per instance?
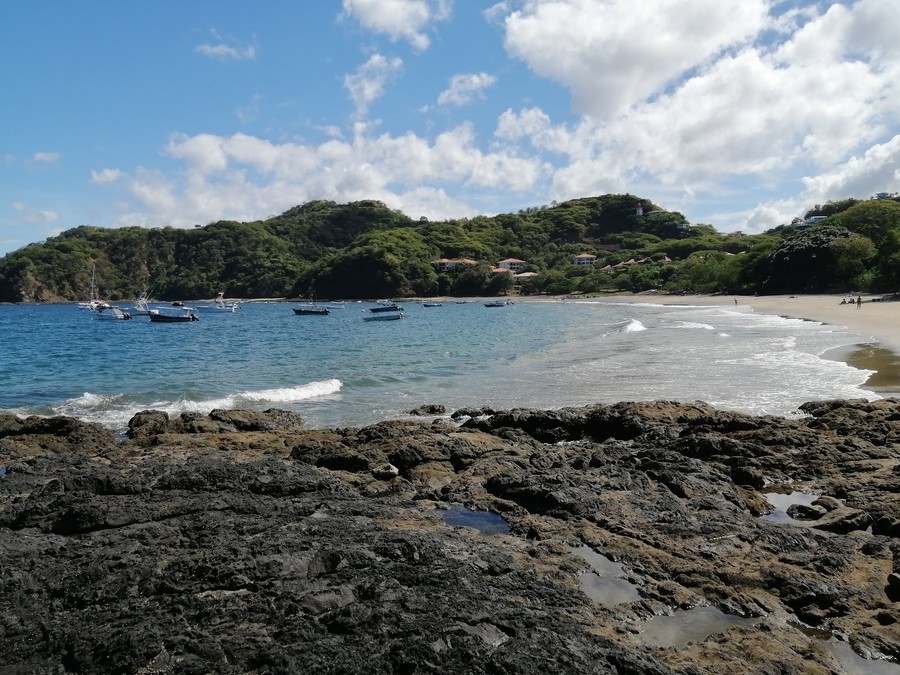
(384, 313)
(432, 304)
(385, 307)
(162, 316)
(312, 310)
(221, 305)
(107, 312)
(497, 303)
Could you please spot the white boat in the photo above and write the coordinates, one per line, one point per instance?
(140, 306)
(497, 303)
(384, 313)
(94, 302)
(220, 305)
(106, 312)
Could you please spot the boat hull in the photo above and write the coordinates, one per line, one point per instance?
(300, 311)
(156, 317)
(395, 316)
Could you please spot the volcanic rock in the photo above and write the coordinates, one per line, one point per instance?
(241, 542)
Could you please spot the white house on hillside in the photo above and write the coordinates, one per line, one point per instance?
(512, 265)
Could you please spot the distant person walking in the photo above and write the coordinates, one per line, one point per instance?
(858, 301)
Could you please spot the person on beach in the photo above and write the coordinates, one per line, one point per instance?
(858, 301)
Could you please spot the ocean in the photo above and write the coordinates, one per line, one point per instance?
(339, 370)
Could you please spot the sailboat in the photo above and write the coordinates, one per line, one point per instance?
(94, 303)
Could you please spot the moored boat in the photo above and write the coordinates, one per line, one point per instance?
(312, 311)
(106, 312)
(497, 303)
(386, 307)
(220, 305)
(384, 313)
(185, 315)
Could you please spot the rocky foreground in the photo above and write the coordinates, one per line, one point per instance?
(242, 542)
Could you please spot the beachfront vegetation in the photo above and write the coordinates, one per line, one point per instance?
(364, 250)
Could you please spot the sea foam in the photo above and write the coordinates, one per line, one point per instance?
(116, 410)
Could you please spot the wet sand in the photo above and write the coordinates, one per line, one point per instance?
(877, 322)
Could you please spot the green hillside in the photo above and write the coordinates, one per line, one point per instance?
(364, 250)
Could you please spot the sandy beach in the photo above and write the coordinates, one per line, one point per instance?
(877, 322)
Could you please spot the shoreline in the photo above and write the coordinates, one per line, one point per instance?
(877, 324)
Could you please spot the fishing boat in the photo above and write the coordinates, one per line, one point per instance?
(140, 306)
(105, 312)
(312, 310)
(179, 315)
(387, 307)
(220, 305)
(384, 313)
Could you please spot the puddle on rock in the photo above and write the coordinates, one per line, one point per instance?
(853, 664)
(782, 502)
(483, 521)
(604, 585)
(690, 625)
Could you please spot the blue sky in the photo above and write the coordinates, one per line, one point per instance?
(738, 113)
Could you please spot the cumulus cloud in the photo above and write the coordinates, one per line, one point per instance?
(688, 101)
(725, 105)
(404, 171)
(464, 88)
(616, 53)
(399, 19)
(370, 80)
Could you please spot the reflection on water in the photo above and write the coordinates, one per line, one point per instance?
(782, 502)
(484, 522)
(604, 585)
(691, 625)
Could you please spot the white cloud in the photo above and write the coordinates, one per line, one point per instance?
(399, 19)
(41, 217)
(743, 108)
(368, 83)
(616, 53)
(105, 176)
(223, 51)
(50, 158)
(464, 88)
(687, 112)
(241, 176)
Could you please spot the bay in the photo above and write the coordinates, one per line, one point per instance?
(338, 370)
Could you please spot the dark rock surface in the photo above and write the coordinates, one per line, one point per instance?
(240, 542)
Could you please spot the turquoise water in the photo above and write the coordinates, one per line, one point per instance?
(338, 370)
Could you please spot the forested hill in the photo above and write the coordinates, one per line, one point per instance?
(364, 250)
